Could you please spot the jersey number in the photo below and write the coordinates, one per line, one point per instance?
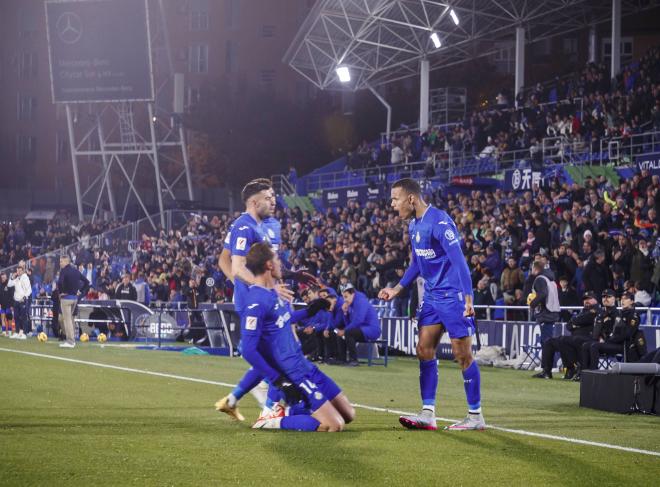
(307, 386)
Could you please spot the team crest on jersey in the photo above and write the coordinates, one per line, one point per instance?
(417, 237)
(449, 234)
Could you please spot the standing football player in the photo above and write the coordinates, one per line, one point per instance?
(447, 306)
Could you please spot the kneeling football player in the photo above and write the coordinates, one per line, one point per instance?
(269, 346)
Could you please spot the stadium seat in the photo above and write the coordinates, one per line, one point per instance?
(532, 358)
(373, 355)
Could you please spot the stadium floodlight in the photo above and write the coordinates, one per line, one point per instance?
(453, 16)
(344, 74)
(436, 40)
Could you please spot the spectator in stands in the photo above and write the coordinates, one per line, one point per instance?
(567, 297)
(22, 292)
(597, 277)
(482, 297)
(126, 290)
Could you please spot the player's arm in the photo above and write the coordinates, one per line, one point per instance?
(409, 276)
(239, 245)
(447, 234)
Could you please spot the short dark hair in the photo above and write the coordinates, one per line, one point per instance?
(408, 185)
(538, 266)
(259, 254)
(253, 187)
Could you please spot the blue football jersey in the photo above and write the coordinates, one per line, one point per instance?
(244, 232)
(268, 318)
(273, 229)
(436, 249)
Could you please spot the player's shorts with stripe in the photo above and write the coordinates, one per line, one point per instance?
(446, 311)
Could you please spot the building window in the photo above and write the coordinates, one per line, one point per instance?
(26, 107)
(230, 57)
(267, 77)
(26, 148)
(62, 148)
(231, 13)
(27, 65)
(198, 58)
(626, 51)
(199, 20)
(267, 31)
(192, 97)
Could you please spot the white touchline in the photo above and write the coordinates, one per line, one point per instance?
(361, 406)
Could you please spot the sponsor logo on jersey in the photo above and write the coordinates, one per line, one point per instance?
(282, 320)
(425, 253)
(254, 305)
(449, 234)
(244, 227)
(271, 234)
(418, 237)
(251, 323)
(241, 242)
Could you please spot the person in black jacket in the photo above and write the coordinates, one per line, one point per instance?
(609, 333)
(579, 325)
(70, 285)
(597, 277)
(126, 290)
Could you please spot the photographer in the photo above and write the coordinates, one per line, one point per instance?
(544, 300)
(22, 292)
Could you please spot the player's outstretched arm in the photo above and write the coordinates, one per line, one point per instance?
(389, 293)
(224, 262)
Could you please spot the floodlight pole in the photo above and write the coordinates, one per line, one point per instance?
(616, 39)
(152, 126)
(423, 95)
(186, 163)
(388, 107)
(74, 162)
(520, 61)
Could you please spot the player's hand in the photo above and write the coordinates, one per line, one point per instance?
(317, 305)
(469, 310)
(326, 333)
(344, 307)
(290, 391)
(284, 292)
(387, 294)
(340, 333)
(301, 277)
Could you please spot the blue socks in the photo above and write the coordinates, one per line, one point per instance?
(428, 382)
(472, 384)
(249, 381)
(274, 396)
(299, 423)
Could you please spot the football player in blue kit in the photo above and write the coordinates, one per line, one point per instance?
(271, 349)
(256, 224)
(447, 305)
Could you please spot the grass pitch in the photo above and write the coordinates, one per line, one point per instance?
(64, 423)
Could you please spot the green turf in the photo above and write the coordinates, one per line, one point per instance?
(72, 424)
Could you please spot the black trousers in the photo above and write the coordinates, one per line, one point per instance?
(548, 350)
(591, 352)
(570, 348)
(309, 343)
(349, 344)
(21, 316)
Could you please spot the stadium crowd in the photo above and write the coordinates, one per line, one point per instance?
(577, 111)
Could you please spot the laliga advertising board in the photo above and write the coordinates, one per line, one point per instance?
(99, 50)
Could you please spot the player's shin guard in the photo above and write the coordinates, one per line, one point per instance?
(472, 384)
(249, 381)
(428, 382)
(299, 423)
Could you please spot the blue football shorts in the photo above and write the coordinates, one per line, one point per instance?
(447, 312)
(317, 388)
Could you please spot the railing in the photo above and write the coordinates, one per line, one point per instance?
(449, 164)
(282, 185)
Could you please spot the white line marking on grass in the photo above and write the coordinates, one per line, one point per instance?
(361, 406)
